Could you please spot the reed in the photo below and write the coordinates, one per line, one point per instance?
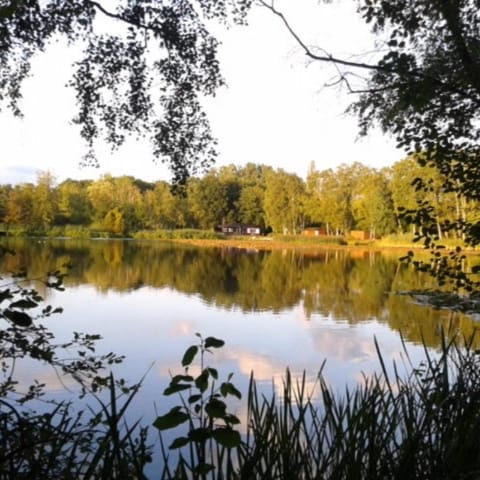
(64, 443)
(421, 425)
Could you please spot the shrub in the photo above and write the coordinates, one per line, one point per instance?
(314, 240)
(56, 231)
(179, 234)
(61, 442)
(77, 231)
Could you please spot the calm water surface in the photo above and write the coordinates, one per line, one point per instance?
(273, 309)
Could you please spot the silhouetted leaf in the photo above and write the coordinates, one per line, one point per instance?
(227, 437)
(213, 342)
(228, 388)
(215, 408)
(203, 468)
(179, 387)
(199, 434)
(181, 378)
(232, 419)
(5, 295)
(179, 443)
(171, 419)
(201, 382)
(18, 318)
(189, 355)
(23, 304)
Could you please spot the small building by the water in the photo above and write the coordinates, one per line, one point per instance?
(314, 231)
(240, 229)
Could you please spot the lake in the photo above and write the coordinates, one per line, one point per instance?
(273, 309)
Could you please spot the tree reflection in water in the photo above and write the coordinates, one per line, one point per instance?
(347, 285)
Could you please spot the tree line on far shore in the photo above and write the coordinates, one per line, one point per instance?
(351, 197)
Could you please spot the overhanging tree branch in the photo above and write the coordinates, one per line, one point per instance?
(116, 16)
(309, 52)
(450, 11)
(414, 74)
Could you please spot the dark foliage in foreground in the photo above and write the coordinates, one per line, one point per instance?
(64, 443)
(144, 69)
(421, 426)
(45, 439)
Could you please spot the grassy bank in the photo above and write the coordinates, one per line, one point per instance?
(282, 242)
(210, 238)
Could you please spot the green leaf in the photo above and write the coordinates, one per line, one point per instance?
(20, 319)
(215, 408)
(227, 437)
(179, 387)
(179, 443)
(213, 342)
(171, 419)
(213, 372)
(189, 355)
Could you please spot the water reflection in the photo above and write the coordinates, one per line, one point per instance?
(346, 286)
(273, 310)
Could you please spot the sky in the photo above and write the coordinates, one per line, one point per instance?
(276, 109)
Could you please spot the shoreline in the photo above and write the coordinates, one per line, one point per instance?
(270, 245)
(267, 244)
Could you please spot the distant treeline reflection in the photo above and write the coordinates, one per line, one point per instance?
(353, 286)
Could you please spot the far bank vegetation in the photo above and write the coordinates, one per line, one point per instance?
(354, 201)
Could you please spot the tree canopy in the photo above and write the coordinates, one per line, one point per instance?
(351, 197)
(423, 87)
(145, 67)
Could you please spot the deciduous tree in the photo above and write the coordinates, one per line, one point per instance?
(74, 206)
(284, 202)
(208, 200)
(373, 204)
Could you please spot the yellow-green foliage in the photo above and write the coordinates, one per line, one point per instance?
(186, 233)
(316, 240)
